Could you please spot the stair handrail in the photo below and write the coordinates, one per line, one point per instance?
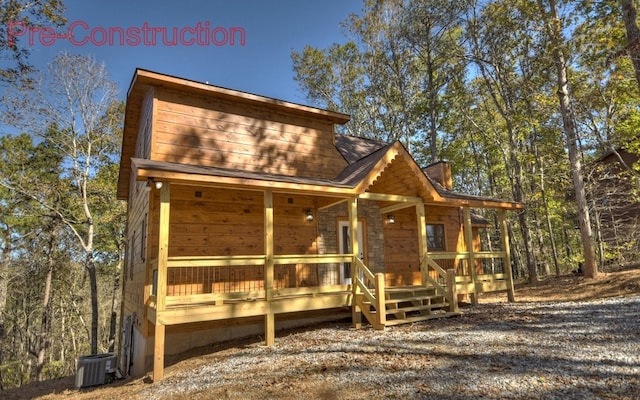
(377, 297)
(441, 273)
(449, 277)
(360, 283)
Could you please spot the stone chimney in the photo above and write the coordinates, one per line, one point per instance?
(440, 172)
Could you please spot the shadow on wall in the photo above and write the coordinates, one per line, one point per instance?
(198, 130)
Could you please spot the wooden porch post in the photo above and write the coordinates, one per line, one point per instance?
(269, 318)
(468, 238)
(356, 314)
(163, 255)
(422, 242)
(506, 251)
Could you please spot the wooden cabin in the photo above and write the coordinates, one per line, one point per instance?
(247, 215)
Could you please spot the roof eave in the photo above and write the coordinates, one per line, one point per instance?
(144, 173)
(146, 77)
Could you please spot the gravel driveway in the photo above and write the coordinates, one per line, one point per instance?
(569, 350)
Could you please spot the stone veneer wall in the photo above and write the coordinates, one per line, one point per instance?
(373, 223)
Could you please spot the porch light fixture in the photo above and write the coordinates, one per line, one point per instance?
(309, 215)
(153, 183)
(391, 219)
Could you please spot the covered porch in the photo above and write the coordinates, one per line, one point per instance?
(225, 249)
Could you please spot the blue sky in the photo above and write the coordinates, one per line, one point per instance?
(262, 66)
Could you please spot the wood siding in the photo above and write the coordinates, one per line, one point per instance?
(401, 259)
(401, 251)
(194, 129)
(138, 223)
(143, 144)
(217, 222)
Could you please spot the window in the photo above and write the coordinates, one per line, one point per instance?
(143, 239)
(154, 283)
(132, 251)
(435, 237)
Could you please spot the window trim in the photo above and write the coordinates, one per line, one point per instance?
(444, 236)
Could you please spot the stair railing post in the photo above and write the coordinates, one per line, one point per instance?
(452, 290)
(381, 309)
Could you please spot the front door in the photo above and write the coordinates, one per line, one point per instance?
(344, 242)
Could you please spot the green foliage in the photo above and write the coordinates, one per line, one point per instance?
(27, 14)
(482, 77)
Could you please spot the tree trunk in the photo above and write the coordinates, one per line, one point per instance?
(598, 233)
(532, 267)
(114, 305)
(518, 195)
(4, 282)
(630, 18)
(93, 282)
(515, 172)
(433, 131)
(545, 203)
(590, 266)
(43, 343)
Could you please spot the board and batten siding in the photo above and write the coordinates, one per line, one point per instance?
(143, 144)
(196, 129)
(138, 222)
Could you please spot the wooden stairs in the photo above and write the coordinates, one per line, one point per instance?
(408, 304)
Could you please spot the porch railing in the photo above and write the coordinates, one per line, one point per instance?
(215, 280)
(480, 272)
(369, 290)
(196, 279)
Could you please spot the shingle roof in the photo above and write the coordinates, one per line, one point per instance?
(354, 148)
(361, 154)
(456, 195)
(358, 170)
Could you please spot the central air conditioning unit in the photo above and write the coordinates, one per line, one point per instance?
(96, 369)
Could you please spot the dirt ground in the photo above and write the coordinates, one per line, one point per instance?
(620, 283)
